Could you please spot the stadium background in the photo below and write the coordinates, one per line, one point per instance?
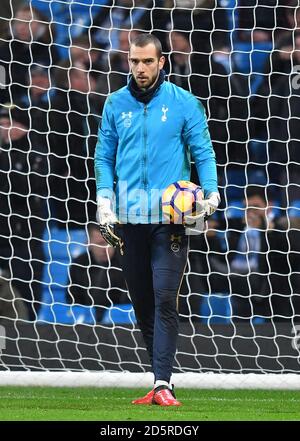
(61, 310)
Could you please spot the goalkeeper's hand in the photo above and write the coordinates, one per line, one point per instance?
(204, 209)
(211, 203)
(107, 219)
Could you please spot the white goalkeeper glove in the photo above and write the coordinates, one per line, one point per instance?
(211, 203)
(105, 213)
(205, 208)
(107, 219)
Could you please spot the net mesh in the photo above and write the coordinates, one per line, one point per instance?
(63, 301)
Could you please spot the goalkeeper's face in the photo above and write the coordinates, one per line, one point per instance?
(145, 65)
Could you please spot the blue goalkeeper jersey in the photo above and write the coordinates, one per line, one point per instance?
(142, 149)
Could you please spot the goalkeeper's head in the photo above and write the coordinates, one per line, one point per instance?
(146, 60)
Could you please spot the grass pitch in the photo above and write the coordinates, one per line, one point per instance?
(114, 404)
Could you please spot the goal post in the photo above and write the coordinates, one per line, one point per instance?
(134, 380)
(65, 313)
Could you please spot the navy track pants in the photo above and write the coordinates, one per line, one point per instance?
(153, 264)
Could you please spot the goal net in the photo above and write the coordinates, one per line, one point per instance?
(64, 307)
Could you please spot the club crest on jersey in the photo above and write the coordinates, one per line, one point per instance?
(127, 118)
(164, 110)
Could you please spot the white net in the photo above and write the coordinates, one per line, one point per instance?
(63, 302)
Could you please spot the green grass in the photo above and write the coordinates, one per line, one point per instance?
(87, 404)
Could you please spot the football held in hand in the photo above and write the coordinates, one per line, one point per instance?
(179, 200)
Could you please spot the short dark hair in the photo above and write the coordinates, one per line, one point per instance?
(143, 40)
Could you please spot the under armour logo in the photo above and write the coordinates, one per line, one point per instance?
(127, 118)
(128, 115)
(164, 109)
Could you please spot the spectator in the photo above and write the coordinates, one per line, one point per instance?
(223, 92)
(257, 20)
(29, 42)
(256, 262)
(258, 265)
(290, 14)
(84, 51)
(7, 9)
(12, 305)
(186, 69)
(227, 107)
(284, 263)
(119, 68)
(206, 269)
(70, 18)
(123, 14)
(74, 124)
(292, 279)
(284, 135)
(249, 264)
(38, 93)
(279, 66)
(206, 20)
(96, 277)
(23, 191)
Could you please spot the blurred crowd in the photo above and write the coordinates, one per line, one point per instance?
(58, 62)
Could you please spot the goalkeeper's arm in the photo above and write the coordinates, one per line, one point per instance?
(105, 156)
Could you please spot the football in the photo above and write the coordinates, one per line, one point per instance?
(179, 200)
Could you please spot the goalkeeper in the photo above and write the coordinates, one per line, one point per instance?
(150, 129)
